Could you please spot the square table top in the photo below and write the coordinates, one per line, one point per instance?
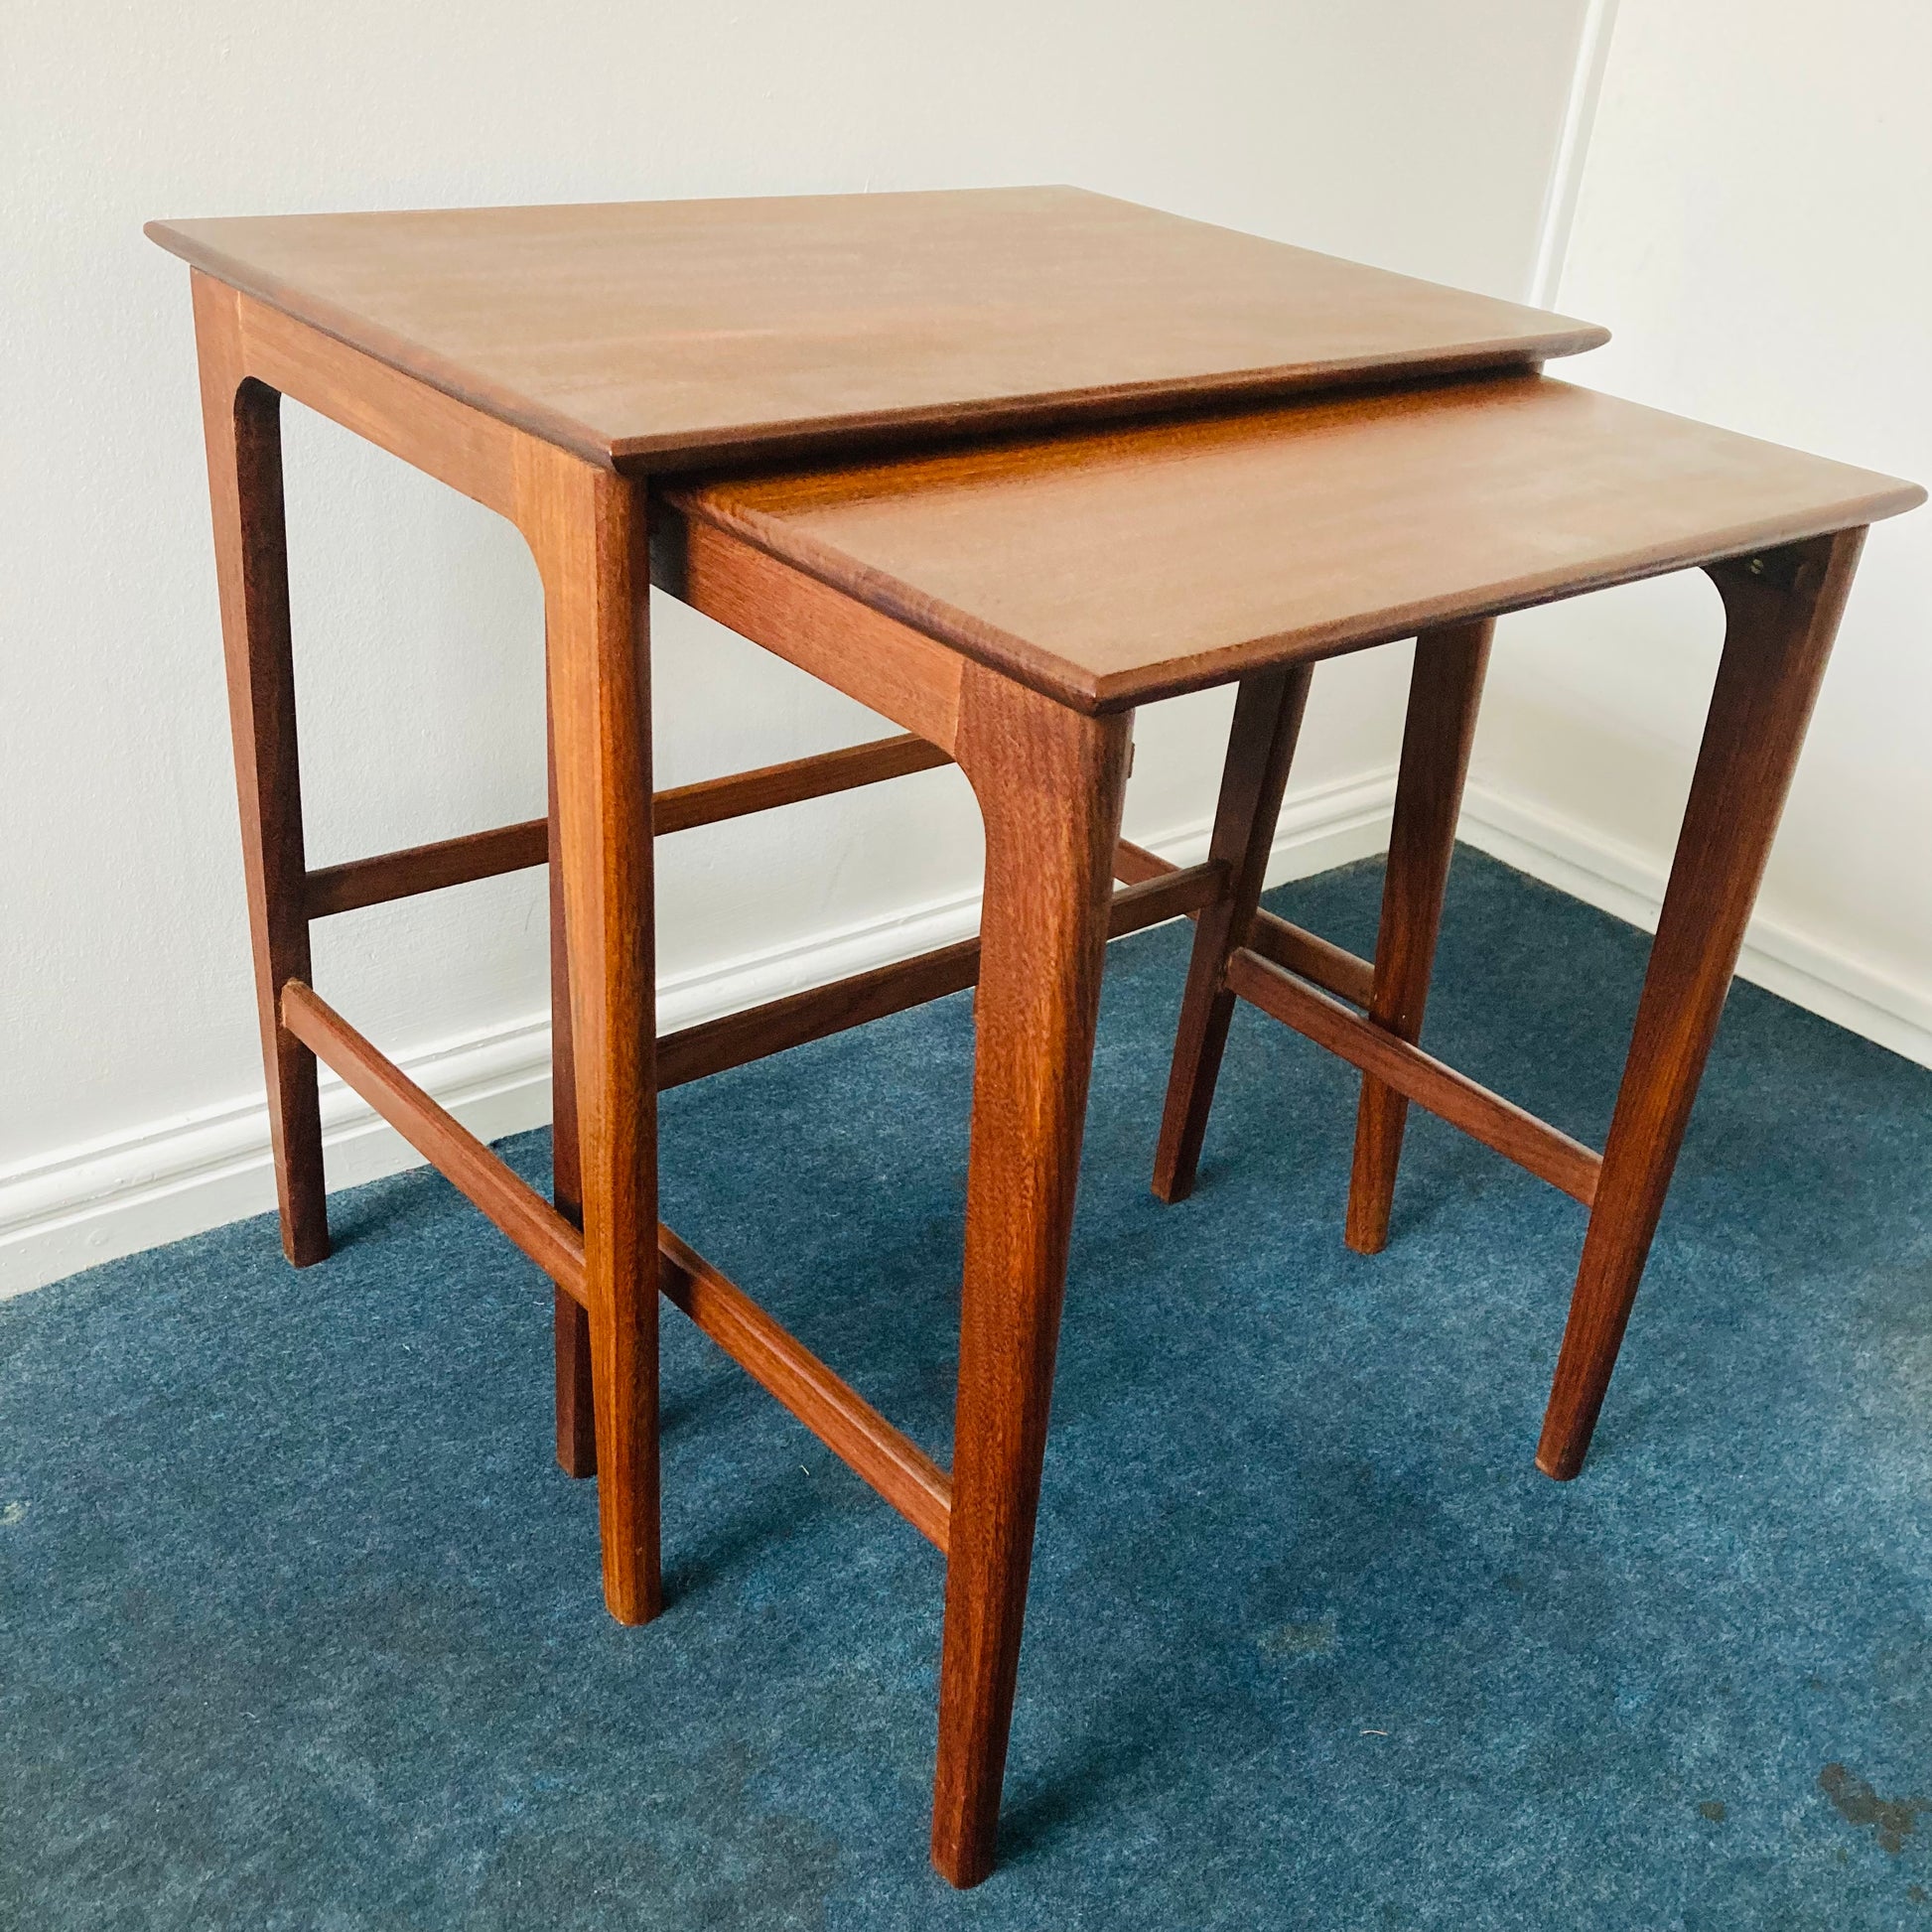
(666, 335)
(1109, 569)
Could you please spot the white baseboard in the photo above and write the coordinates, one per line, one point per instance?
(1858, 994)
(93, 1202)
(176, 1175)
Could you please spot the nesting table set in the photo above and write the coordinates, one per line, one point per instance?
(1001, 466)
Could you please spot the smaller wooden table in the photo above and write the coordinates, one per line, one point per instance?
(1008, 605)
(1013, 605)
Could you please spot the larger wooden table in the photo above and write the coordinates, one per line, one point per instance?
(587, 373)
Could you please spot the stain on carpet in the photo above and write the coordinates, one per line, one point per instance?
(1892, 1819)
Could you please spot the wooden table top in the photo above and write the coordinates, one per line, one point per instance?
(1109, 569)
(658, 334)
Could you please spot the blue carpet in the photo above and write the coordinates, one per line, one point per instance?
(300, 1626)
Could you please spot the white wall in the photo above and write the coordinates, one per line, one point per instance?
(129, 1081)
(1752, 225)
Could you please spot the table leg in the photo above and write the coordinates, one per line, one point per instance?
(1444, 691)
(242, 419)
(1049, 782)
(586, 527)
(1782, 610)
(569, 1322)
(1261, 745)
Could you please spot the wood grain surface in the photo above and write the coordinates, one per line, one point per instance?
(1444, 692)
(242, 421)
(1781, 616)
(1517, 1135)
(587, 530)
(1111, 570)
(658, 333)
(1268, 711)
(1049, 785)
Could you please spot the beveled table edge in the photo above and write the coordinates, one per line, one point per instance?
(1097, 694)
(832, 436)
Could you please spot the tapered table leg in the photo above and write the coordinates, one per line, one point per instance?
(1445, 690)
(1782, 611)
(569, 1322)
(586, 527)
(1261, 745)
(242, 419)
(1050, 783)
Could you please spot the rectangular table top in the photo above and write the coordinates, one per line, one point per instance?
(1110, 570)
(656, 334)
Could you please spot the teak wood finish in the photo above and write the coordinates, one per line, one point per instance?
(389, 876)
(1007, 606)
(657, 335)
(1114, 570)
(1445, 689)
(1450, 504)
(1781, 614)
(1267, 712)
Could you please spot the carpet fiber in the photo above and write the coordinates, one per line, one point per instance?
(300, 1626)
